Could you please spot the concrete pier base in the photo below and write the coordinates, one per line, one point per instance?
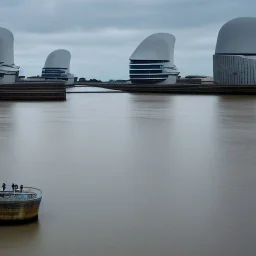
(33, 91)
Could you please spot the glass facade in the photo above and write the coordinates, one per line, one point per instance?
(54, 73)
(149, 77)
(146, 66)
(148, 71)
(147, 61)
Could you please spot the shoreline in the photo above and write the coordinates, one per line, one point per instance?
(200, 89)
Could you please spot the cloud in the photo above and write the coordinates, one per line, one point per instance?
(102, 34)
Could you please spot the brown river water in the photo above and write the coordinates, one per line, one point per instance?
(133, 175)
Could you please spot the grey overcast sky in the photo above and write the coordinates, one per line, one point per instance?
(102, 34)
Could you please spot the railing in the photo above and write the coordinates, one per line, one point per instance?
(17, 196)
(26, 195)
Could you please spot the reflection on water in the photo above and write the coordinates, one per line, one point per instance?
(17, 237)
(86, 89)
(131, 174)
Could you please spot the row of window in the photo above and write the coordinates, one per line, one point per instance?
(146, 71)
(52, 75)
(58, 78)
(148, 77)
(55, 68)
(147, 61)
(53, 71)
(147, 81)
(146, 67)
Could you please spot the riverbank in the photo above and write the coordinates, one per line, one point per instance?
(212, 89)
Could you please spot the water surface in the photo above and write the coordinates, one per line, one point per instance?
(130, 174)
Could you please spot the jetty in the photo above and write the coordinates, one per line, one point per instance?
(33, 91)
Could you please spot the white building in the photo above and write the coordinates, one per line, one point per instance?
(8, 71)
(234, 61)
(57, 66)
(153, 60)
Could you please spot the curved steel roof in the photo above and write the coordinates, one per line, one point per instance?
(158, 46)
(58, 59)
(6, 46)
(237, 36)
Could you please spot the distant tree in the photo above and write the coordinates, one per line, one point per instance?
(95, 80)
(75, 78)
(82, 79)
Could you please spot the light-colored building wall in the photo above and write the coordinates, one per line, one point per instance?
(234, 61)
(234, 69)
